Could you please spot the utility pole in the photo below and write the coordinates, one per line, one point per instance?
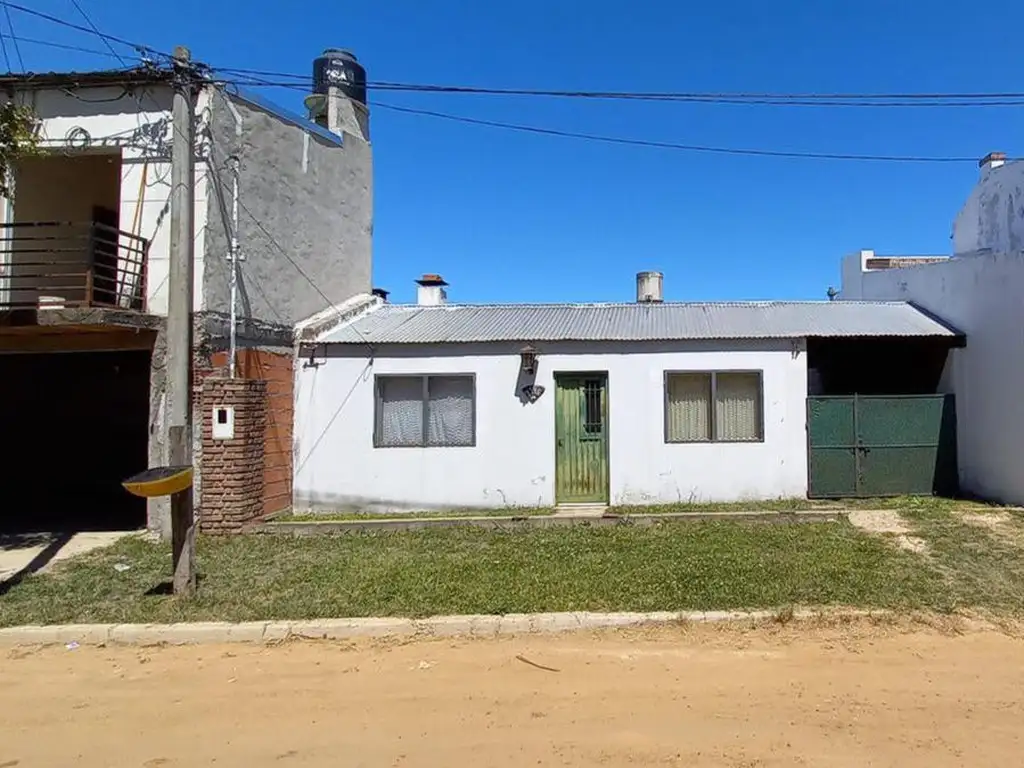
(179, 318)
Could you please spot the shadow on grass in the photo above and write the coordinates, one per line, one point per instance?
(54, 544)
(163, 589)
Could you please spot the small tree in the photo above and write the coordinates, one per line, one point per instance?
(18, 138)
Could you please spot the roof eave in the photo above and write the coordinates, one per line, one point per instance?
(120, 77)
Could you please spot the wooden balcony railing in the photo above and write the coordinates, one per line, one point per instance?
(48, 264)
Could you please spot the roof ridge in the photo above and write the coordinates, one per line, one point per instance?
(604, 304)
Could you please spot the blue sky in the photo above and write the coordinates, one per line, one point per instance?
(507, 216)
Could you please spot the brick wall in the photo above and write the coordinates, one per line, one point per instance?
(277, 370)
(232, 488)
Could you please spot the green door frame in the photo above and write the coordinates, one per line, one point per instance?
(587, 449)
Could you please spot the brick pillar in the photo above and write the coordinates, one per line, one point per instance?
(231, 469)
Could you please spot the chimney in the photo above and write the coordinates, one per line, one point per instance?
(648, 287)
(431, 291)
(381, 294)
(992, 160)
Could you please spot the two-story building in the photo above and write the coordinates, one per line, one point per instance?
(286, 200)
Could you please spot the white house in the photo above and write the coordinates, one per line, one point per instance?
(980, 289)
(439, 405)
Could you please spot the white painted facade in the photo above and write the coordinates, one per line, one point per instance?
(982, 296)
(992, 219)
(513, 462)
(136, 133)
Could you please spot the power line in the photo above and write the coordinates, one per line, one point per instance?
(883, 99)
(298, 268)
(14, 38)
(299, 81)
(1012, 100)
(816, 99)
(109, 38)
(672, 145)
(99, 34)
(3, 47)
(60, 46)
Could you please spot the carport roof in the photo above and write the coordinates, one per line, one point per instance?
(466, 323)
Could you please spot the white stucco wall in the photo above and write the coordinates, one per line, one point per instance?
(513, 462)
(993, 216)
(138, 127)
(983, 296)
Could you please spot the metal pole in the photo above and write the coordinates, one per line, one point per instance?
(179, 318)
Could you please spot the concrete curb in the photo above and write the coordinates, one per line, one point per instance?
(316, 528)
(348, 629)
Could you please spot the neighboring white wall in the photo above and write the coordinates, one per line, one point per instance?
(993, 216)
(853, 266)
(513, 462)
(983, 296)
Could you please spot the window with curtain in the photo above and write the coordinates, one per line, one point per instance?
(713, 406)
(425, 410)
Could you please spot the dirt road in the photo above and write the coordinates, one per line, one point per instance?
(793, 696)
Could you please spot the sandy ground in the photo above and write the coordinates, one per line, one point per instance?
(687, 696)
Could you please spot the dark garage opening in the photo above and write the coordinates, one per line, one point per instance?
(876, 422)
(876, 366)
(76, 424)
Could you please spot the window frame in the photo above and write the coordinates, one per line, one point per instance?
(378, 400)
(712, 404)
(602, 387)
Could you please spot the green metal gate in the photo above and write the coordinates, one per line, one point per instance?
(581, 434)
(881, 446)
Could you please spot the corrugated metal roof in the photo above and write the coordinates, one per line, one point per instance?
(453, 323)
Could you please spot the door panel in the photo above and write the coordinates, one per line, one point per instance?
(881, 446)
(581, 438)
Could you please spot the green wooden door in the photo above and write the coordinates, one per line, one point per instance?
(881, 446)
(581, 438)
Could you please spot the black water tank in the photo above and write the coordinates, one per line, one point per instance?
(339, 67)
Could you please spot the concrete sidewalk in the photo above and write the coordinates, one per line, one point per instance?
(347, 629)
(590, 516)
(24, 553)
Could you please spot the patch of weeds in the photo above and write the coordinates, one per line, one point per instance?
(982, 569)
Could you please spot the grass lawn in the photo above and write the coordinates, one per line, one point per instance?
(671, 566)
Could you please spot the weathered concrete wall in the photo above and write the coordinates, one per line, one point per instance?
(302, 192)
(513, 461)
(983, 296)
(993, 216)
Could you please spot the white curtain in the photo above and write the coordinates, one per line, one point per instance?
(450, 410)
(737, 406)
(689, 407)
(401, 410)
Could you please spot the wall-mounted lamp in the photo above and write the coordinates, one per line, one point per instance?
(532, 392)
(528, 358)
(312, 362)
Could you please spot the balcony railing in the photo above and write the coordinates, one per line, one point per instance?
(52, 265)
